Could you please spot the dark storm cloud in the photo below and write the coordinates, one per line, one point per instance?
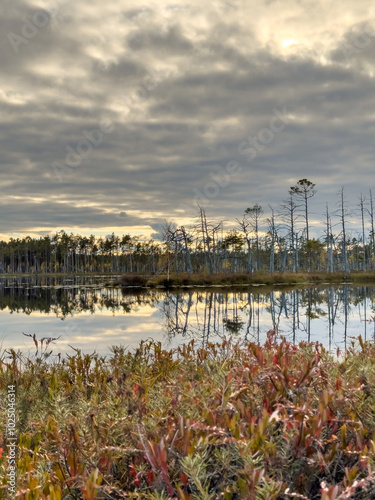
(183, 87)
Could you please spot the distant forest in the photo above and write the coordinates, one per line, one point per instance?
(279, 242)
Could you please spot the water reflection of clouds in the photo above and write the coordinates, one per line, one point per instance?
(84, 331)
(97, 319)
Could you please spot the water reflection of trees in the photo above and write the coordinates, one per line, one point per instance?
(211, 314)
(69, 300)
(201, 314)
(205, 313)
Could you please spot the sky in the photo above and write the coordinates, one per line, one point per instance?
(118, 115)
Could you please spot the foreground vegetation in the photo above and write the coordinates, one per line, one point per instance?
(229, 420)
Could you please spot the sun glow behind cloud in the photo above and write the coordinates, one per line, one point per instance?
(288, 43)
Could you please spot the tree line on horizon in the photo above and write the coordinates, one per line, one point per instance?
(279, 242)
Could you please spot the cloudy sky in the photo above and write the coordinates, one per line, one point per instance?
(117, 115)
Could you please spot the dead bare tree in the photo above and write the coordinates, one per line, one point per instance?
(329, 240)
(168, 234)
(372, 233)
(208, 232)
(273, 237)
(362, 200)
(254, 213)
(245, 227)
(342, 215)
(289, 215)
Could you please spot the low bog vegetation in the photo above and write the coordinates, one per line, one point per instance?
(228, 421)
(232, 279)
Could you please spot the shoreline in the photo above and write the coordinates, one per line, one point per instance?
(56, 275)
(260, 279)
(219, 280)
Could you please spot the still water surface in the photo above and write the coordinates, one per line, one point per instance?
(86, 314)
